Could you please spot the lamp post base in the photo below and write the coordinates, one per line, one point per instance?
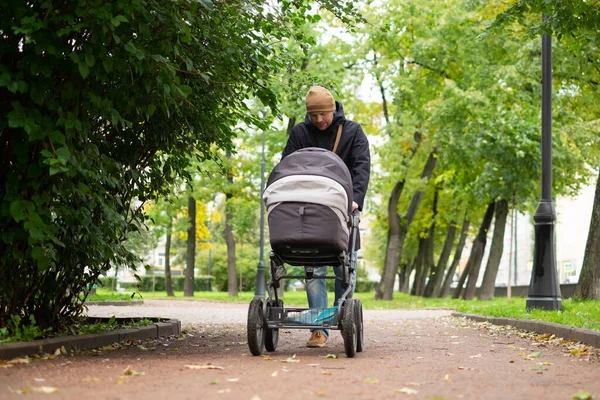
(260, 280)
(543, 303)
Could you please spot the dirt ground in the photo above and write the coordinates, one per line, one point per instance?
(431, 358)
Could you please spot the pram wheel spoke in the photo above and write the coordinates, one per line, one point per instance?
(349, 329)
(256, 327)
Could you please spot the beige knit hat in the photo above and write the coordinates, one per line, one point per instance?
(319, 99)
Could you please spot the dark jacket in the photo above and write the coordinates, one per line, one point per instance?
(353, 148)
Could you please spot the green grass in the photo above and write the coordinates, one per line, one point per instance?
(581, 314)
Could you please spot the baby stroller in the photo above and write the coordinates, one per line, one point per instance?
(308, 199)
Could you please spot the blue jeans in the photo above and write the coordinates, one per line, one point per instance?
(316, 290)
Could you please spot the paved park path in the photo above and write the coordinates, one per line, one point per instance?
(409, 354)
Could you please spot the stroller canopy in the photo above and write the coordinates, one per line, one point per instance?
(311, 175)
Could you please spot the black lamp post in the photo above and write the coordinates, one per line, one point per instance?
(259, 291)
(544, 291)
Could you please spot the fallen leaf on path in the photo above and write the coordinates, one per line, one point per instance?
(206, 366)
(222, 391)
(45, 389)
(583, 395)
(468, 368)
(274, 374)
(25, 360)
(406, 390)
(580, 351)
(266, 357)
(371, 380)
(18, 391)
(121, 380)
(447, 378)
(533, 355)
(330, 356)
(413, 383)
(129, 371)
(476, 356)
(291, 359)
(233, 379)
(6, 365)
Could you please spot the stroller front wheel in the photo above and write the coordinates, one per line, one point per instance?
(256, 325)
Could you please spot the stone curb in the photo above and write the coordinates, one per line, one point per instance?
(170, 327)
(115, 303)
(585, 336)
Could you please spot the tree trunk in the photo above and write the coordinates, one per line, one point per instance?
(291, 123)
(427, 262)
(384, 104)
(190, 259)
(457, 255)
(406, 278)
(588, 287)
(168, 280)
(419, 265)
(461, 282)
(230, 241)
(477, 251)
(496, 248)
(428, 289)
(392, 250)
(434, 286)
(389, 273)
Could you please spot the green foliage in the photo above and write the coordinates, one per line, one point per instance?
(18, 331)
(103, 107)
(108, 282)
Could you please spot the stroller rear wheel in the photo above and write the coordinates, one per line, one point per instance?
(272, 334)
(256, 327)
(358, 313)
(349, 328)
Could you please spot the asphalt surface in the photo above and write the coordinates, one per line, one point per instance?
(408, 354)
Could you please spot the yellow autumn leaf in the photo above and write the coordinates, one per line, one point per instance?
(406, 390)
(371, 380)
(291, 359)
(206, 366)
(45, 389)
(25, 360)
(129, 371)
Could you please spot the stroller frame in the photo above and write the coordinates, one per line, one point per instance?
(266, 317)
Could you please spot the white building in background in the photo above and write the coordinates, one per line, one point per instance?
(571, 232)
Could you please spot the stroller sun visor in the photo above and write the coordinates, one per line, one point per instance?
(309, 189)
(310, 165)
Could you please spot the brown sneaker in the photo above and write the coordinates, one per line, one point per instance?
(317, 339)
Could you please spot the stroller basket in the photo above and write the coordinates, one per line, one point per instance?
(302, 317)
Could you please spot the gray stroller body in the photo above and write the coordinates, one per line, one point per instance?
(308, 200)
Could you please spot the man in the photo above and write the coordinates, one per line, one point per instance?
(324, 116)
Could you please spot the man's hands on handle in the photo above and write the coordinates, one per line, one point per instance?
(354, 206)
